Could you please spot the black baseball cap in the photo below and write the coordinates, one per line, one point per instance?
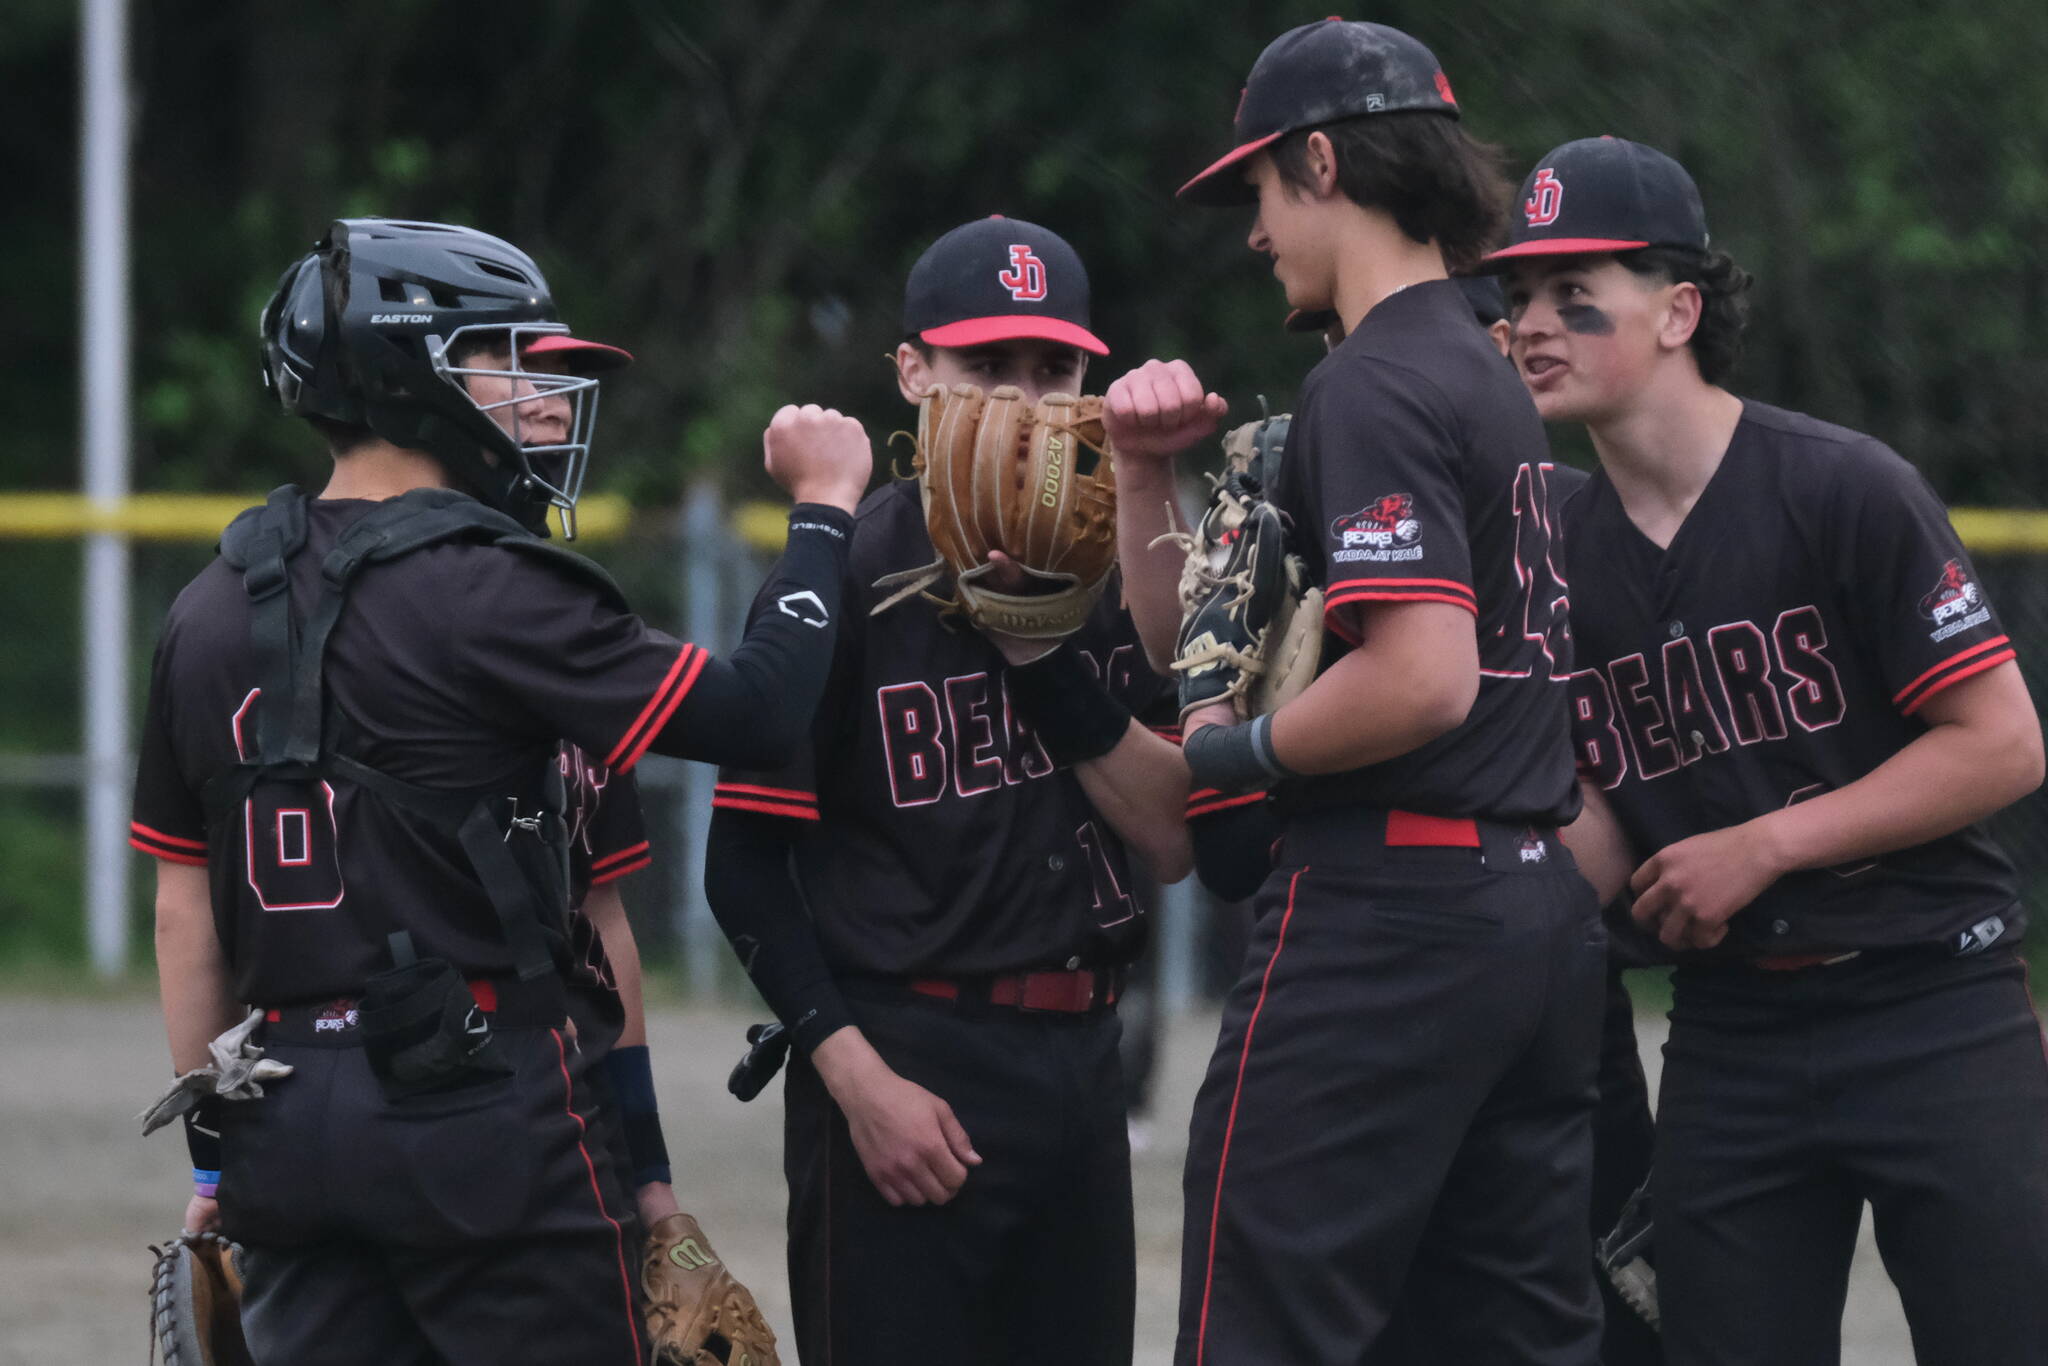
(997, 279)
(1603, 195)
(1319, 73)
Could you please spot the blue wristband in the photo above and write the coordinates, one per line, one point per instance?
(631, 1073)
(205, 1183)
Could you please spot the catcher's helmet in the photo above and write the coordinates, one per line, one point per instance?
(361, 332)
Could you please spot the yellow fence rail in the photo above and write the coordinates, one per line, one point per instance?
(199, 517)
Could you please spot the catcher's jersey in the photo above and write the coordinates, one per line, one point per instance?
(1417, 471)
(458, 666)
(936, 836)
(1783, 645)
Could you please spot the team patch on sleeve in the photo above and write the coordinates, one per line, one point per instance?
(682, 676)
(767, 801)
(1384, 531)
(1957, 667)
(1955, 604)
(169, 848)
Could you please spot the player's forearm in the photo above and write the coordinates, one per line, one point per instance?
(1147, 507)
(1599, 846)
(1982, 753)
(755, 707)
(1141, 789)
(192, 972)
(1414, 677)
(756, 901)
(606, 911)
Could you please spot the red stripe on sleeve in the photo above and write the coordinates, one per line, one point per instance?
(668, 709)
(1212, 805)
(1400, 595)
(167, 855)
(781, 793)
(1444, 585)
(647, 712)
(177, 841)
(620, 856)
(1950, 663)
(1948, 681)
(802, 813)
(614, 874)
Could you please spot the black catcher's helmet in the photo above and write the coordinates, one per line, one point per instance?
(366, 331)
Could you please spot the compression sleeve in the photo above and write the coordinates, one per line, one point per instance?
(1233, 846)
(755, 707)
(755, 897)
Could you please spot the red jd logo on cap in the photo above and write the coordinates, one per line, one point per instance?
(1543, 206)
(1025, 279)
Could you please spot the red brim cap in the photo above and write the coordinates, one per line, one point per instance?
(1561, 246)
(981, 331)
(1213, 187)
(590, 355)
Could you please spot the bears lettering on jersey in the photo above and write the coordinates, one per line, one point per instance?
(963, 736)
(1665, 714)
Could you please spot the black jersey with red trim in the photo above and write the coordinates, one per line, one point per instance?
(932, 833)
(1417, 471)
(461, 666)
(1781, 646)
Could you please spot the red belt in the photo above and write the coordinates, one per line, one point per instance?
(1067, 992)
(1413, 830)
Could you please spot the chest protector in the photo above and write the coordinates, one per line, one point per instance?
(516, 842)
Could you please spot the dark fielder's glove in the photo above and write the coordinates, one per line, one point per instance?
(195, 1303)
(697, 1314)
(1251, 625)
(1033, 480)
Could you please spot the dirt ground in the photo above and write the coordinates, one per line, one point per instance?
(81, 1194)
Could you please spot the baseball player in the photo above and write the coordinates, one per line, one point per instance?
(350, 777)
(1398, 1111)
(1796, 700)
(935, 899)
(1234, 838)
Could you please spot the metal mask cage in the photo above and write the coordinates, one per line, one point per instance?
(554, 468)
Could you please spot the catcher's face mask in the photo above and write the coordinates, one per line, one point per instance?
(549, 415)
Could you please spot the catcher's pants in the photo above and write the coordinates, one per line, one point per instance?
(1399, 1111)
(475, 1226)
(1032, 1261)
(1906, 1078)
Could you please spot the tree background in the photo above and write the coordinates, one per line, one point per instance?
(734, 191)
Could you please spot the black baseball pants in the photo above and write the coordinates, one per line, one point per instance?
(1399, 1112)
(1907, 1079)
(484, 1225)
(1032, 1261)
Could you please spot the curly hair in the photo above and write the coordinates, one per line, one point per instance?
(1437, 182)
(1724, 300)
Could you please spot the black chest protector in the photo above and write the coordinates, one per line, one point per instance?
(516, 841)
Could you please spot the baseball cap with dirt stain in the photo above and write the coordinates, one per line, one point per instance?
(999, 279)
(1601, 195)
(1320, 73)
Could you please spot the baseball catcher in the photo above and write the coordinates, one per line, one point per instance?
(1012, 484)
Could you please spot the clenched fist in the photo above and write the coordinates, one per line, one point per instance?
(818, 455)
(1158, 410)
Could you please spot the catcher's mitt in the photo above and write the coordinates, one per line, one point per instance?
(195, 1303)
(1251, 624)
(697, 1314)
(1035, 481)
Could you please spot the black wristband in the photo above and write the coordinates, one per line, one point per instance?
(834, 522)
(1074, 715)
(1235, 758)
(202, 1134)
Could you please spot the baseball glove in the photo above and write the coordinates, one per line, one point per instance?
(1628, 1257)
(1251, 624)
(697, 1314)
(1035, 481)
(195, 1303)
